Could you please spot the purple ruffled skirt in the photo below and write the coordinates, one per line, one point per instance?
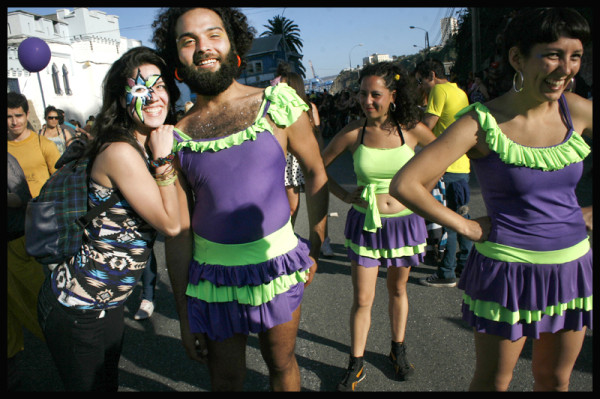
(221, 320)
(530, 289)
(395, 234)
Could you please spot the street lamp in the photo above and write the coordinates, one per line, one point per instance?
(350, 52)
(426, 37)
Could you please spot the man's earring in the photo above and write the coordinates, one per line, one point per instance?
(177, 76)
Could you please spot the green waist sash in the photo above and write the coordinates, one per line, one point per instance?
(275, 244)
(507, 253)
(271, 246)
(372, 215)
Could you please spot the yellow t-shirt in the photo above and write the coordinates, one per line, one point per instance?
(37, 156)
(444, 101)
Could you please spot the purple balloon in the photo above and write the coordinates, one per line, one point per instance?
(34, 54)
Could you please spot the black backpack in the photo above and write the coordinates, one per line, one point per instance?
(55, 219)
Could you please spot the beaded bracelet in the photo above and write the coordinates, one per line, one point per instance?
(162, 161)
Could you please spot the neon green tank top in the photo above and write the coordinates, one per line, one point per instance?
(375, 168)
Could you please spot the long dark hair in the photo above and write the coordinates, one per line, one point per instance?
(407, 112)
(113, 122)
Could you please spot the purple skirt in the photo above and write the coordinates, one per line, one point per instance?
(220, 321)
(547, 297)
(400, 242)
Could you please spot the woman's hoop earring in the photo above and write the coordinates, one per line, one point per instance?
(393, 107)
(239, 61)
(515, 82)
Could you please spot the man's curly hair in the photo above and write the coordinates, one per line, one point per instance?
(240, 34)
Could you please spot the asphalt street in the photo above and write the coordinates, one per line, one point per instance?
(439, 344)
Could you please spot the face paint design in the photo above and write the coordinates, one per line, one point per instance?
(138, 93)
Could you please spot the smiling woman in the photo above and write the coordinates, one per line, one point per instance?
(530, 271)
(131, 158)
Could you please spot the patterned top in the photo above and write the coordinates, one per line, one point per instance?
(116, 247)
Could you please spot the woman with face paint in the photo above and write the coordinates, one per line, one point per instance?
(80, 306)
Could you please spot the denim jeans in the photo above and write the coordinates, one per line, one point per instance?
(85, 344)
(457, 196)
(149, 278)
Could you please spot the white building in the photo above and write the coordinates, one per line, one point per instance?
(449, 27)
(375, 58)
(83, 43)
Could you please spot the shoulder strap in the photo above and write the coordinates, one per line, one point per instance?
(564, 108)
(97, 210)
(362, 132)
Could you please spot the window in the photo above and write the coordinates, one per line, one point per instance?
(66, 81)
(255, 67)
(56, 80)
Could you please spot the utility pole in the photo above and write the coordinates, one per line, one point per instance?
(475, 38)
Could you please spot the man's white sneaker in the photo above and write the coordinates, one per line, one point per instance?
(145, 311)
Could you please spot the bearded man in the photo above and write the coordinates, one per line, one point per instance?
(237, 267)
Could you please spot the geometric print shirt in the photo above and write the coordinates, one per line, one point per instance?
(116, 247)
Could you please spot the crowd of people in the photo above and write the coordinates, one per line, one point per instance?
(222, 183)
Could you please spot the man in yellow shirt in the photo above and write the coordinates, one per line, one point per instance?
(36, 157)
(444, 100)
(36, 154)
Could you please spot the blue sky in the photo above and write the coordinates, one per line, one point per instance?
(331, 36)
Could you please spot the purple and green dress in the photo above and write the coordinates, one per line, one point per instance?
(534, 274)
(374, 239)
(248, 268)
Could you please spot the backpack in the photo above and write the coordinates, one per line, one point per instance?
(56, 218)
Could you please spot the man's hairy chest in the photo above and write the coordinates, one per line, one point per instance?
(220, 121)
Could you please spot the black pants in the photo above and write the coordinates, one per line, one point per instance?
(85, 345)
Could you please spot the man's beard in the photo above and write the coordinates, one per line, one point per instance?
(208, 83)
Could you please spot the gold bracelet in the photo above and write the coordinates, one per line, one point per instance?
(166, 182)
(165, 176)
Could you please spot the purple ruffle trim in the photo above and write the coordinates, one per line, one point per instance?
(396, 232)
(253, 274)
(220, 321)
(570, 320)
(526, 286)
(405, 261)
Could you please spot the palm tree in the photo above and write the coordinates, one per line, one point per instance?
(290, 32)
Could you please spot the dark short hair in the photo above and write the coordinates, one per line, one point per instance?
(431, 65)
(17, 100)
(532, 26)
(51, 108)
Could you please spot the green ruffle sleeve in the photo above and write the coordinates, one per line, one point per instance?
(574, 150)
(285, 108)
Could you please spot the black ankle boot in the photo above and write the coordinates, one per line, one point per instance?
(402, 368)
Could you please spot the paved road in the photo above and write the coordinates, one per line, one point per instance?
(439, 344)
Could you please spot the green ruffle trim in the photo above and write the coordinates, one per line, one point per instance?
(384, 252)
(247, 295)
(495, 312)
(574, 150)
(286, 107)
